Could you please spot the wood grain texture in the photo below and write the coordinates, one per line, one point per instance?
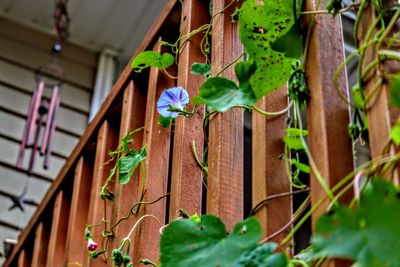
(106, 141)
(157, 141)
(58, 233)
(75, 248)
(90, 131)
(39, 255)
(132, 117)
(269, 174)
(225, 148)
(381, 116)
(186, 178)
(23, 259)
(328, 116)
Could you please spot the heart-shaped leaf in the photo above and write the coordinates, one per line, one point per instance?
(368, 234)
(152, 58)
(201, 68)
(222, 94)
(205, 243)
(127, 164)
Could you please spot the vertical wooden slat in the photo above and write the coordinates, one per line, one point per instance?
(269, 174)
(58, 233)
(186, 178)
(23, 259)
(106, 141)
(40, 247)
(75, 247)
(380, 116)
(157, 140)
(328, 116)
(132, 117)
(225, 148)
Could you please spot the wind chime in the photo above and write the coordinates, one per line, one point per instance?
(40, 126)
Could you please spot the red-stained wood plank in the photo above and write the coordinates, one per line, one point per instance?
(58, 233)
(91, 130)
(225, 148)
(39, 255)
(132, 117)
(75, 247)
(106, 141)
(269, 174)
(157, 140)
(328, 115)
(23, 259)
(186, 178)
(381, 116)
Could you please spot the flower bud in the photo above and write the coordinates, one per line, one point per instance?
(91, 245)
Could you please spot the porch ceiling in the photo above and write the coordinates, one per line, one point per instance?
(95, 24)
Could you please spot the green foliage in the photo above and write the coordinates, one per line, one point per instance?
(298, 90)
(189, 243)
(395, 91)
(201, 69)
(291, 43)
(292, 138)
(262, 256)
(222, 94)
(334, 6)
(301, 166)
(368, 234)
(395, 134)
(164, 121)
(127, 165)
(152, 58)
(261, 23)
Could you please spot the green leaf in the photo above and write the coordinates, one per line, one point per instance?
(395, 134)
(187, 243)
(261, 23)
(222, 94)
(127, 165)
(152, 58)
(262, 256)
(301, 166)
(395, 91)
(291, 44)
(201, 69)
(164, 121)
(368, 234)
(296, 132)
(293, 143)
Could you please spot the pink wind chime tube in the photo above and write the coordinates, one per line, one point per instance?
(31, 121)
(51, 125)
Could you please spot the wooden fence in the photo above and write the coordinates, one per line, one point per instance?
(244, 164)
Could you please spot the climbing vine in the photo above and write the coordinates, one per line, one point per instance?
(365, 230)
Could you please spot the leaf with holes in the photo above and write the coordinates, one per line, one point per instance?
(222, 94)
(368, 234)
(261, 23)
(152, 58)
(205, 243)
(127, 165)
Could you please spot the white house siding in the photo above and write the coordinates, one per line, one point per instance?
(22, 50)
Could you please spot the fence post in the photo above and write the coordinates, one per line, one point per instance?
(269, 173)
(186, 177)
(225, 147)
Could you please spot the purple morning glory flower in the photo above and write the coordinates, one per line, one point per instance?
(175, 97)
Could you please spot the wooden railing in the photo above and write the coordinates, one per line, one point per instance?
(244, 164)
